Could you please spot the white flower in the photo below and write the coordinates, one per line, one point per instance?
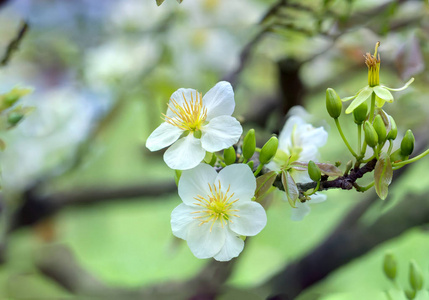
(195, 124)
(298, 141)
(303, 209)
(217, 209)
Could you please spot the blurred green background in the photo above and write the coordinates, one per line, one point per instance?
(102, 73)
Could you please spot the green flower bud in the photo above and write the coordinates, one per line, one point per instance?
(14, 117)
(249, 144)
(407, 144)
(268, 150)
(380, 128)
(250, 164)
(229, 155)
(389, 266)
(360, 113)
(334, 105)
(410, 294)
(393, 131)
(371, 136)
(416, 276)
(314, 171)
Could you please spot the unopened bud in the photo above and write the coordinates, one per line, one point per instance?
(229, 155)
(371, 136)
(249, 144)
(360, 113)
(314, 171)
(334, 105)
(14, 117)
(380, 128)
(416, 276)
(268, 150)
(389, 266)
(407, 144)
(393, 133)
(251, 163)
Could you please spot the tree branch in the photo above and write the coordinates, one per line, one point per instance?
(14, 44)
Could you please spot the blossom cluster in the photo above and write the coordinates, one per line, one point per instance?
(220, 195)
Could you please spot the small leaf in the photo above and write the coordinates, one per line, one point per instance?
(159, 2)
(264, 183)
(383, 175)
(327, 169)
(291, 189)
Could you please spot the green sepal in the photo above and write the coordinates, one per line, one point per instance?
(314, 171)
(390, 266)
(416, 276)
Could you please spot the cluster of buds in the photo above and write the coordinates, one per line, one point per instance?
(378, 127)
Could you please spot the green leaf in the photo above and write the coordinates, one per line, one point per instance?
(363, 95)
(264, 183)
(383, 175)
(159, 2)
(290, 187)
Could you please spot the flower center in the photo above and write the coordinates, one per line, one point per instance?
(188, 116)
(217, 206)
(373, 64)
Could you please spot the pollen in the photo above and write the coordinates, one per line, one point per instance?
(373, 64)
(216, 207)
(189, 115)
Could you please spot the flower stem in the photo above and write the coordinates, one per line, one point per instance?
(258, 169)
(371, 112)
(337, 123)
(315, 189)
(359, 137)
(365, 188)
(415, 158)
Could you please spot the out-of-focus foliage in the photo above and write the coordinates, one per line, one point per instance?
(101, 74)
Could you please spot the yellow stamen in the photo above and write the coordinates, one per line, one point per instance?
(217, 206)
(190, 115)
(373, 64)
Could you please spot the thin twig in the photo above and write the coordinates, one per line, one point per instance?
(14, 44)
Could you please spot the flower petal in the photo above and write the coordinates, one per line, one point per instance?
(180, 96)
(363, 95)
(351, 97)
(203, 242)
(221, 133)
(185, 153)
(196, 182)
(383, 93)
(164, 135)
(252, 218)
(219, 100)
(301, 210)
(181, 219)
(285, 137)
(240, 179)
(401, 88)
(232, 248)
(318, 198)
(311, 136)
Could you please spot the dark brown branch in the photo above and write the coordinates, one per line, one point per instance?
(14, 44)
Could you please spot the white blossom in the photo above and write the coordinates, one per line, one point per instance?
(217, 210)
(303, 208)
(195, 124)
